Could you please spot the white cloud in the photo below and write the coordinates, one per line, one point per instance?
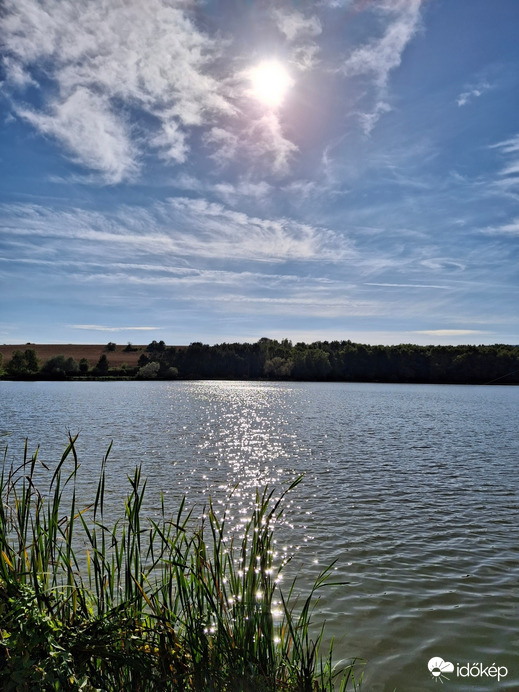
(268, 141)
(298, 31)
(256, 134)
(226, 144)
(216, 231)
(125, 76)
(260, 138)
(443, 264)
(305, 57)
(16, 74)
(369, 120)
(512, 169)
(509, 179)
(309, 304)
(171, 142)
(105, 59)
(379, 57)
(303, 189)
(449, 332)
(159, 274)
(338, 3)
(295, 25)
(472, 92)
(101, 328)
(100, 140)
(510, 229)
(508, 146)
(231, 193)
(181, 227)
(392, 285)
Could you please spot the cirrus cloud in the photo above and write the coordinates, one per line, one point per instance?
(104, 60)
(380, 56)
(102, 328)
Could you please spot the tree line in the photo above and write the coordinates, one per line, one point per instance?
(338, 361)
(25, 364)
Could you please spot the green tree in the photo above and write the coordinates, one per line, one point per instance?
(143, 360)
(156, 347)
(17, 364)
(84, 366)
(110, 346)
(278, 367)
(170, 373)
(61, 366)
(31, 361)
(102, 364)
(23, 363)
(148, 372)
(312, 364)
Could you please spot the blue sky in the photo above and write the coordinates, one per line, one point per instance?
(153, 188)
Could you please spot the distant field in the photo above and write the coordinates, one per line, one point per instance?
(92, 352)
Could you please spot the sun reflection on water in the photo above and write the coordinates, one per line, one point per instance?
(239, 446)
(412, 490)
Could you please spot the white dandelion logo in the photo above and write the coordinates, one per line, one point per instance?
(438, 667)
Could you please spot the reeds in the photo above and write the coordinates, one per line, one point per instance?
(147, 604)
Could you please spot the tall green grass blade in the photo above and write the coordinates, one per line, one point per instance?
(146, 604)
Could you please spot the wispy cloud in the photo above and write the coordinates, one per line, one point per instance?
(303, 300)
(507, 229)
(443, 264)
(380, 56)
(231, 193)
(180, 227)
(391, 285)
(299, 31)
(225, 144)
(267, 140)
(84, 123)
(102, 328)
(220, 232)
(509, 146)
(105, 59)
(129, 78)
(472, 92)
(449, 332)
(18, 76)
(293, 24)
(508, 180)
(370, 119)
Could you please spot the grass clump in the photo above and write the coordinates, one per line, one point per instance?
(146, 604)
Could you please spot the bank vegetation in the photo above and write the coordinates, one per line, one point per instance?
(167, 602)
(335, 361)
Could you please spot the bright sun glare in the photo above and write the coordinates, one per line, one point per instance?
(270, 82)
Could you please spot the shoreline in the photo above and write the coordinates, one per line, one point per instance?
(266, 360)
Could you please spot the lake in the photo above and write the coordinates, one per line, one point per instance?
(411, 489)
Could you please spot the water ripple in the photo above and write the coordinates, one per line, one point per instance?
(412, 490)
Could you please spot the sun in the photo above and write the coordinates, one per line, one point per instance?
(270, 82)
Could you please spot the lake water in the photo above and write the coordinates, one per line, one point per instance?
(412, 489)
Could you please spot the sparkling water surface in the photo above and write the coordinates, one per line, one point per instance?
(411, 489)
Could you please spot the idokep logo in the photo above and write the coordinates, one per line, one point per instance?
(439, 667)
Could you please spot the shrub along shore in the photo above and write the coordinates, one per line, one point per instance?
(148, 604)
(336, 361)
